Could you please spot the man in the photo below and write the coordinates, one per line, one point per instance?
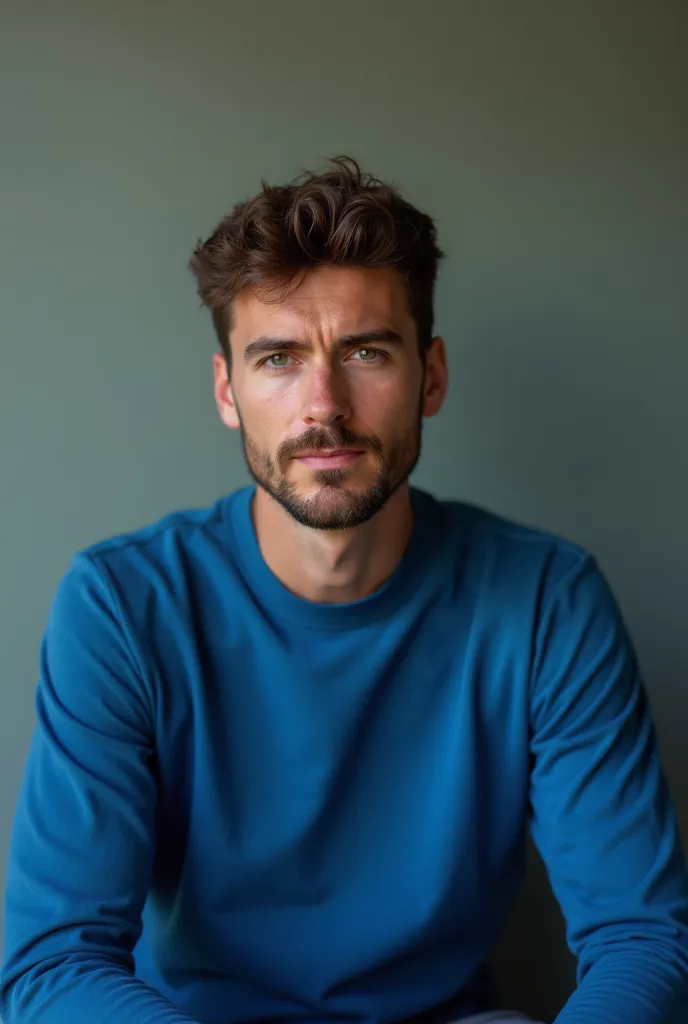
(288, 746)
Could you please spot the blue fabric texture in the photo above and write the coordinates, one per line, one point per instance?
(243, 806)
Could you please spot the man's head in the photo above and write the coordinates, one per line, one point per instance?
(321, 294)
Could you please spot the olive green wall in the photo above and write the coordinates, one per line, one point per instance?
(549, 140)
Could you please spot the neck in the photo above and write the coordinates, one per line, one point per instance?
(333, 566)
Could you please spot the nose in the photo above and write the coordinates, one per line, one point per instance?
(325, 398)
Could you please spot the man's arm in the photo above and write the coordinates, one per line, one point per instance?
(602, 815)
(84, 833)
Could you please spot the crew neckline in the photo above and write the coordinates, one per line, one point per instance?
(383, 602)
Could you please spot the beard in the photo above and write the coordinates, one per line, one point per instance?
(334, 506)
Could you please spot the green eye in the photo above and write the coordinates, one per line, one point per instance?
(368, 355)
(273, 360)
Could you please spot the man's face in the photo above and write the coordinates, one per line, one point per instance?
(329, 390)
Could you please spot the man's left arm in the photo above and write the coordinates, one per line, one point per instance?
(602, 815)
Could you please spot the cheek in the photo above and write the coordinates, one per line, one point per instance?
(270, 420)
(390, 406)
(266, 410)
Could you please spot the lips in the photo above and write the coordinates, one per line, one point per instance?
(328, 453)
(331, 458)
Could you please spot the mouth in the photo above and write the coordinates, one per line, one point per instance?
(332, 458)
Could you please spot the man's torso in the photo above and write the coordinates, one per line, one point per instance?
(343, 795)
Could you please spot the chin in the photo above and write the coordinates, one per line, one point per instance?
(332, 494)
(333, 490)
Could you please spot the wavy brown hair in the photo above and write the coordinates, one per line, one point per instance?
(341, 217)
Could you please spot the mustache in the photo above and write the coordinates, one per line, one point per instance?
(318, 439)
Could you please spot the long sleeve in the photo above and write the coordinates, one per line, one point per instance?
(602, 815)
(84, 833)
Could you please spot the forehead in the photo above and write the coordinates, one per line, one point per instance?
(330, 301)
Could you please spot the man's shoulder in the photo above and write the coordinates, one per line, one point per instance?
(496, 527)
(508, 552)
(176, 542)
(178, 526)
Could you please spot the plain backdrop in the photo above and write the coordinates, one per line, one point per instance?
(549, 140)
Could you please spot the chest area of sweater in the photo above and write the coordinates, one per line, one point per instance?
(299, 749)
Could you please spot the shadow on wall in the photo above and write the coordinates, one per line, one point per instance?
(584, 437)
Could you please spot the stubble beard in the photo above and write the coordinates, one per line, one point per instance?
(333, 506)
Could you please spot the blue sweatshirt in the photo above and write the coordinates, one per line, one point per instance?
(242, 806)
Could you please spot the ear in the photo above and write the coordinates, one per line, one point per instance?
(224, 398)
(436, 378)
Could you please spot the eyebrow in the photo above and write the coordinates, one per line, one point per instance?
(265, 344)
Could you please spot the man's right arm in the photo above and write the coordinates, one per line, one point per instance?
(84, 834)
